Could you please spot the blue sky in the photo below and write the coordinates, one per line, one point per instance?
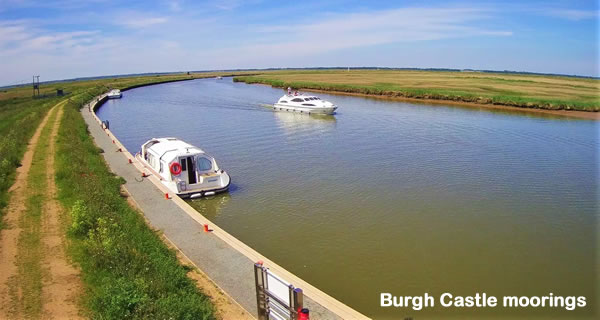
(70, 38)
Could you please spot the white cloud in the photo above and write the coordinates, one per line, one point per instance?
(17, 38)
(142, 22)
(131, 41)
(174, 42)
(174, 5)
(343, 31)
(227, 4)
(572, 14)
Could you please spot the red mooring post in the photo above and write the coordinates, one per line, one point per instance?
(206, 228)
(167, 196)
(130, 161)
(303, 314)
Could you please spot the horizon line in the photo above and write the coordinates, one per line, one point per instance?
(124, 75)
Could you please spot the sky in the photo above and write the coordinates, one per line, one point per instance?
(62, 39)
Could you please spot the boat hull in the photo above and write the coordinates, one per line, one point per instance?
(195, 190)
(203, 193)
(308, 110)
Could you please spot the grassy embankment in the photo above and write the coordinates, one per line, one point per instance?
(515, 90)
(127, 270)
(19, 117)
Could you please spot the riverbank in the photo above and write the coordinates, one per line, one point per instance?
(575, 114)
(467, 88)
(227, 261)
(122, 268)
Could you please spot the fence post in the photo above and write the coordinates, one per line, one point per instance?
(297, 302)
(261, 301)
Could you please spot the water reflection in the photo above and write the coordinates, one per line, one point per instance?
(293, 122)
(210, 207)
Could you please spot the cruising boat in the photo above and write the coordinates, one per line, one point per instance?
(304, 104)
(114, 94)
(186, 170)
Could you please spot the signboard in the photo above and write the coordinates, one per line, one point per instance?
(276, 299)
(278, 288)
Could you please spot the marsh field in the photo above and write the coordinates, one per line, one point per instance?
(506, 89)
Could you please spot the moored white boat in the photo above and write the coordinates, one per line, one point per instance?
(114, 94)
(186, 170)
(304, 104)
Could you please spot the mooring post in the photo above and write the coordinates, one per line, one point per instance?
(298, 302)
(261, 301)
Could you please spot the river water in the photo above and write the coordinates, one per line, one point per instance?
(392, 197)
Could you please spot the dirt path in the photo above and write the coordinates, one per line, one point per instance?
(9, 236)
(57, 290)
(62, 285)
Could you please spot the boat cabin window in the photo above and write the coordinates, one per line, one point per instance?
(183, 164)
(283, 101)
(308, 104)
(204, 164)
(297, 100)
(151, 160)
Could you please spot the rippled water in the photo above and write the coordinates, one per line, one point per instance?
(388, 196)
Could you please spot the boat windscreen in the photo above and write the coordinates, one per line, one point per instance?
(204, 164)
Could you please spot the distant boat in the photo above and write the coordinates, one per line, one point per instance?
(304, 104)
(219, 78)
(186, 170)
(114, 94)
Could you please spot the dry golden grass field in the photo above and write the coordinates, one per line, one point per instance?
(519, 90)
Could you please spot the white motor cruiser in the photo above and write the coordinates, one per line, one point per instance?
(304, 104)
(114, 94)
(186, 170)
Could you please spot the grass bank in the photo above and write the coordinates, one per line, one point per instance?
(19, 117)
(514, 90)
(128, 272)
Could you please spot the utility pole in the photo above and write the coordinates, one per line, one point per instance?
(36, 86)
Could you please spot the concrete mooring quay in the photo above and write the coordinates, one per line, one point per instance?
(223, 258)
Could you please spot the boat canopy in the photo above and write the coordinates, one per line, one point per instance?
(168, 149)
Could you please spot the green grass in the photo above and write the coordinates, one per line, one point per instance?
(20, 115)
(526, 91)
(127, 270)
(19, 119)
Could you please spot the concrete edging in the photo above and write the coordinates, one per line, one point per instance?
(326, 301)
